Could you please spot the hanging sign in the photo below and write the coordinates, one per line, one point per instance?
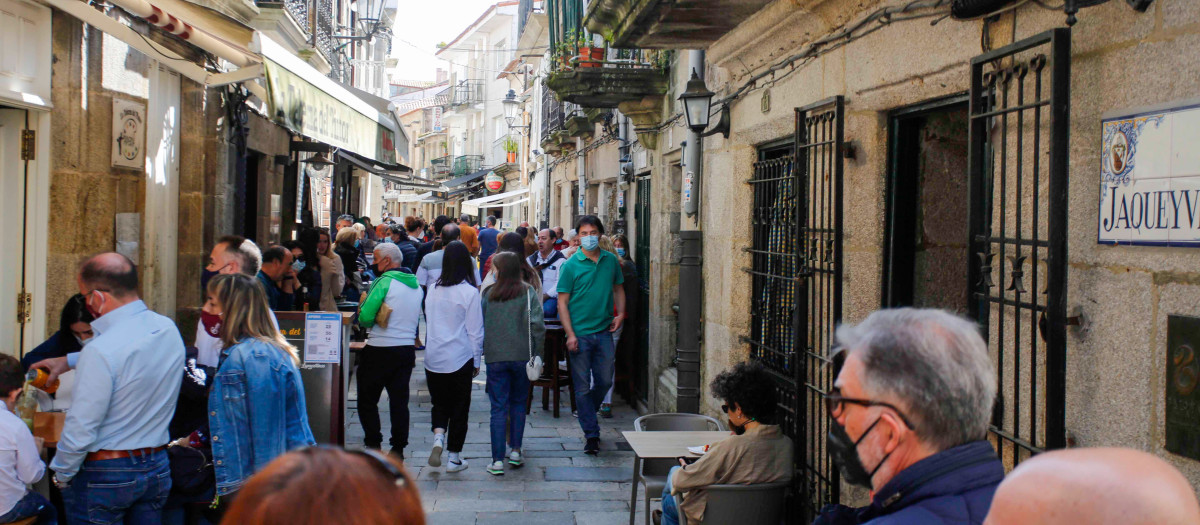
(493, 182)
(129, 134)
(1150, 179)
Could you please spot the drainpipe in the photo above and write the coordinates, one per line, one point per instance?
(581, 172)
(690, 268)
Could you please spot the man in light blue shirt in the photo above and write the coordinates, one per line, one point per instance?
(112, 461)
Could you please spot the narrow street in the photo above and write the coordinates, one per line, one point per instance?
(559, 484)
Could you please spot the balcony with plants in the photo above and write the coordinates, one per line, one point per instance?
(504, 153)
(439, 168)
(592, 76)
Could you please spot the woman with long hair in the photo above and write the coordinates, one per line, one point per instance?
(333, 276)
(346, 248)
(513, 332)
(453, 352)
(256, 405)
(322, 485)
(513, 243)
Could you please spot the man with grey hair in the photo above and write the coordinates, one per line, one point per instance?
(388, 359)
(910, 409)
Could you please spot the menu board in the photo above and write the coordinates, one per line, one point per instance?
(322, 338)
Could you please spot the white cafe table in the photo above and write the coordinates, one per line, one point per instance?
(663, 445)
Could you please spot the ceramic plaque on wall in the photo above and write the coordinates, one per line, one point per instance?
(129, 134)
(1150, 179)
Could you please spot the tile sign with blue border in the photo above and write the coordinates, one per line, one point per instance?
(1150, 179)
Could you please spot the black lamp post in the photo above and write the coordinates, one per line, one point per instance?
(696, 101)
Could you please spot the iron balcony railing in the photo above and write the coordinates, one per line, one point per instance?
(440, 167)
(467, 93)
(466, 164)
(315, 20)
(552, 112)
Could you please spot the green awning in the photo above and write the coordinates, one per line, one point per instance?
(311, 104)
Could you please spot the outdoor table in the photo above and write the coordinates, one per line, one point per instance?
(666, 444)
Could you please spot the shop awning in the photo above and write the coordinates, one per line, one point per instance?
(505, 205)
(480, 202)
(303, 100)
(394, 173)
(466, 178)
(415, 198)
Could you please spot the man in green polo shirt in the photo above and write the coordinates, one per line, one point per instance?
(589, 285)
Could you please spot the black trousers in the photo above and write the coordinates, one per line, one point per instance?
(450, 395)
(381, 367)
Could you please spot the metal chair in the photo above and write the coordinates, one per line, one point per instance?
(653, 472)
(739, 504)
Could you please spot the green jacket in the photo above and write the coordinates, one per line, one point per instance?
(379, 290)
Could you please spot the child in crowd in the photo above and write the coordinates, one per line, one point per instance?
(20, 464)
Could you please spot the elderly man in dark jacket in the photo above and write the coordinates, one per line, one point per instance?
(911, 407)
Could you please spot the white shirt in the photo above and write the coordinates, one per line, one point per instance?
(454, 322)
(19, 461)
(431, 269)
(549, 273)
(208, 348)
(405, 303)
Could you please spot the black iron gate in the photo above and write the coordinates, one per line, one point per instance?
(1018, 235)
(796, 271)
(641, 255)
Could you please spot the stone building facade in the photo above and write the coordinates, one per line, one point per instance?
(903, 71)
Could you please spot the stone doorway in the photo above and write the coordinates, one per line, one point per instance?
(926, 251)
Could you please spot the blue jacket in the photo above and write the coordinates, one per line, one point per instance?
(256, 411)
(952, 487)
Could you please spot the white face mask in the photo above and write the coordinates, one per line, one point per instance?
(83, 342)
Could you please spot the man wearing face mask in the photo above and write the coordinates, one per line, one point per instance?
(910, 409)
(111, 462)
(758, 452)
(589, 286)
(231, 254)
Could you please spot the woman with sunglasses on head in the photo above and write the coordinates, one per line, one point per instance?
(453, 351)
(757, 452)
(323, 485)
(256, 405)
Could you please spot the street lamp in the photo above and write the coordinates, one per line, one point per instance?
(512, 108)
(696, 101)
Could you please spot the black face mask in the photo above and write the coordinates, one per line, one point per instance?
(844, 453)
(206, 275)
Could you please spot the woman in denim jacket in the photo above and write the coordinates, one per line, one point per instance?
(256, 405)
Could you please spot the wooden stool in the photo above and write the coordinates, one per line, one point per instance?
(553, 378)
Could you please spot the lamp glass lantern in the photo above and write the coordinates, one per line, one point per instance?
(696, 102)
(512, 108)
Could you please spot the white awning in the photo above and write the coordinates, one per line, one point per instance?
(505, 205)
(493, 198)
(411, 197)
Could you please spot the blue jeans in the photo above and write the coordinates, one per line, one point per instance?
(592, 375)
(670, 510)
(32, 504)
(133, 490)
(508, 389)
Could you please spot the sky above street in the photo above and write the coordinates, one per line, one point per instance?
(421, 25)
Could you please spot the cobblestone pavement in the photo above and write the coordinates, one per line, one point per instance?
(559, 484)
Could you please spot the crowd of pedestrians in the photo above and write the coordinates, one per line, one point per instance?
(218, 431)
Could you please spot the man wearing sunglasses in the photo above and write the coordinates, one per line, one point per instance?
(909, 417)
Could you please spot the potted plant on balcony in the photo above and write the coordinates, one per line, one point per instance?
(510, 148)
(589, 54)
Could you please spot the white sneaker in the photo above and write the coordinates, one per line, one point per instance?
(457, 467)
(435, 455)
(496, 468)
(515, 459)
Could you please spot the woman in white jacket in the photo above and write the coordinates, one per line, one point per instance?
(333, 278)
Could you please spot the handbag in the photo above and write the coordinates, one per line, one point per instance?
(191, 470)
(533, 369)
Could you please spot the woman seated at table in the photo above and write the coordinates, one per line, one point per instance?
(74, 331)
(758, 452)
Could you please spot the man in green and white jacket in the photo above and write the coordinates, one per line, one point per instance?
(388, 359)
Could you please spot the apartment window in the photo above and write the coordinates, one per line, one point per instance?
(500, 52)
